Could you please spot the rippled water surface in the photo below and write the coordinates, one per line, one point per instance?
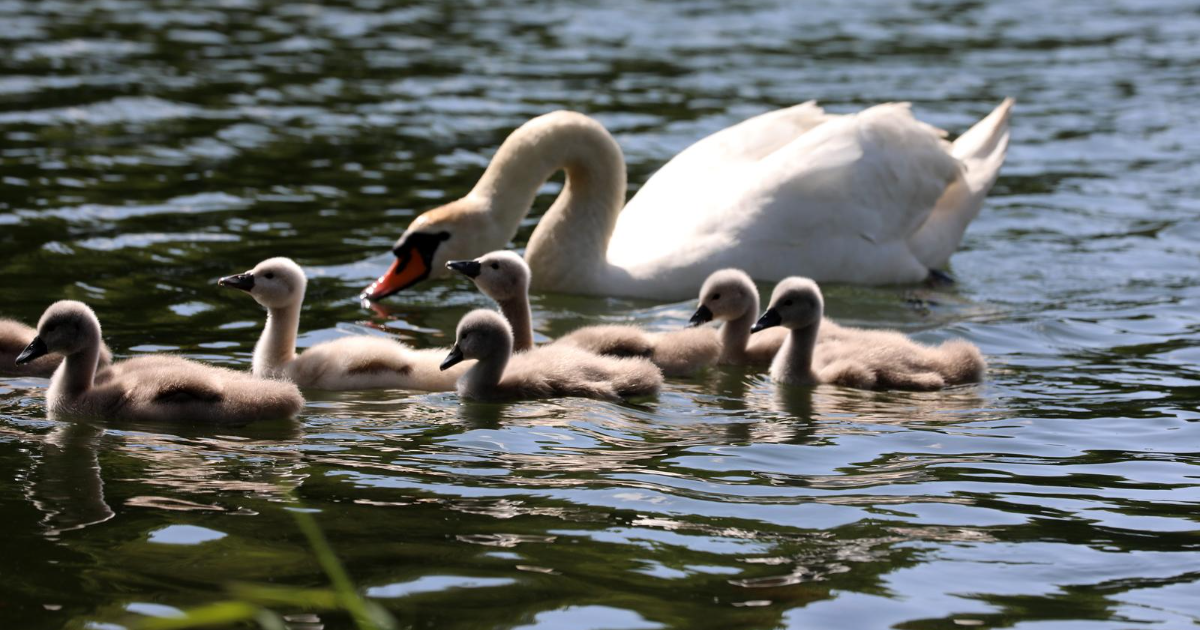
(150, 147)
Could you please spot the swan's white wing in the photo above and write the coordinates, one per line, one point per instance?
(746, 142)
(684, 185)
(836, 203)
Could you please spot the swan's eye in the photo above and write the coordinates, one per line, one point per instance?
(495, 265)
(269, 276)
(787, 303)
(716, 296)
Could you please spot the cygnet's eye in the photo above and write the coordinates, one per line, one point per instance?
(50, 328)
(495, 265)
(787, 303)
(270, 275)
(716, 296)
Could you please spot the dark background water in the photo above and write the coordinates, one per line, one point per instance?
(149, 147)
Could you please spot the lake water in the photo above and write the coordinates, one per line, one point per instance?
(150, 147)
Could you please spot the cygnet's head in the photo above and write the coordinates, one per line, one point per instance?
(67, 327)
(727, 295)
(274, 283)
(796, 303)
(501, 275)
(481, 334)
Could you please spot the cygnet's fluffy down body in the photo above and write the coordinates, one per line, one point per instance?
(677, 353)
(349, 363)
(890, 360)
(363, 362)
(156, 388)
(504, 276)
(851, 357)
(15, 336)
(546, 372)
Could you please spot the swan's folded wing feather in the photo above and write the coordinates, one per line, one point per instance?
(877, 174)
(686, 184)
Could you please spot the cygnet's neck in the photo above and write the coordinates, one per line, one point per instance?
(78, 371)
(570, 243)
(735, 335)
(277, 346)
(516, 311)
(481, 379)
(793, 364)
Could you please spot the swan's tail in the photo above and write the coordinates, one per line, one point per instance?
(981, 150)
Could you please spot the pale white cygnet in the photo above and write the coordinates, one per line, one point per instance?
(15, 336)
(729, 296)
(155, 388)
(505, 277)
(546, 372)
(355, 362)
(865, 359)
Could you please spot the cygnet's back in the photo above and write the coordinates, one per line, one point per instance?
(546, 372)
(165, 388)
(877, 359)
(155, 388)
(677, 353)
(15, 336)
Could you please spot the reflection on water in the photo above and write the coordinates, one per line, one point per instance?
(152, 146)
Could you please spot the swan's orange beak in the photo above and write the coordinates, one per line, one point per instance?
(414, 259)
(401, 275)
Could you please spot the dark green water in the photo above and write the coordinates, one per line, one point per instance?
(147, 148)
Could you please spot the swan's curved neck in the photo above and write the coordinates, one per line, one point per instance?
(794, 362)
(516, 311)
(571, 241)
(735, 335)
(277, 346)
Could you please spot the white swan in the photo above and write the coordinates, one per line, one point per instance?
(154, 388)
(546, 372)
(865, 359)
(356, 362)
(875, 197)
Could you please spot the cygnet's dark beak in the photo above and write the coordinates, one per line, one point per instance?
(769, 319)
(35, 349)
(243, 281)
(468, 268)
(454, 358)
(702, 316)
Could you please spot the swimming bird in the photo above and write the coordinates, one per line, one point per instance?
(729, 296)
(154, 388)
(15, 336)
(504, 276)
(874, 197)
(545, 372)
(354, 362)
(865, 359)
